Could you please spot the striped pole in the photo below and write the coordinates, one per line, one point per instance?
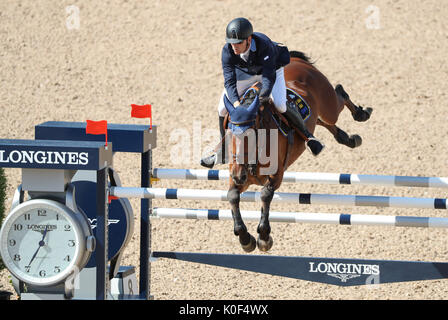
(311, 177)
(301, 198)
(304, 217)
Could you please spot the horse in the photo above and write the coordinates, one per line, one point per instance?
(325, 103)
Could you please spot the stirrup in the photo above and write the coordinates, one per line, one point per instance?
(208, 162)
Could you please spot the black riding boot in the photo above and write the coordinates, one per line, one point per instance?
(219, 156)
(296, 120)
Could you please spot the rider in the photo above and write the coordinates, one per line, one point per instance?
(248, 57)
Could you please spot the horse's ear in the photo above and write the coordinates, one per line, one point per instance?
(254, 106)
(229, 106)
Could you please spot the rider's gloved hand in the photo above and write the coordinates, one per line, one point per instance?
(264, 100)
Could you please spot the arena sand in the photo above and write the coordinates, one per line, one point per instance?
(389, 55)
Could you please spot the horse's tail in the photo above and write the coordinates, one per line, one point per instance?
(300, 55)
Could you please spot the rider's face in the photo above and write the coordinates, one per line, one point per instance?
(239, 48)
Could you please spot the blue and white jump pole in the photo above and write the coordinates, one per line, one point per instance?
(304, 217)
(299, 198)
(312, 177)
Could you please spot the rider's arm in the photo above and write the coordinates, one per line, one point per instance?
(228, 68)
(269, 74)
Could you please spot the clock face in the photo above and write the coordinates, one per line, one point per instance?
(40, 242)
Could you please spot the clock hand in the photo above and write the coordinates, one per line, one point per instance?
(41, 244)
(44, 234)
(35, 253)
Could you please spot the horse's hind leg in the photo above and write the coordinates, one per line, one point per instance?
(341, 136)
(358, 113)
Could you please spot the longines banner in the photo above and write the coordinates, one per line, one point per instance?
(341, 272)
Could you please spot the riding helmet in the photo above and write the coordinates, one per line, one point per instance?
(238, 29)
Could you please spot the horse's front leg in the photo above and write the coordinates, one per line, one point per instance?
(247, 241)
(264, 241)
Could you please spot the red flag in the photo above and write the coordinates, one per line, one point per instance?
(97, 127)
(143, 111)
(110, 198)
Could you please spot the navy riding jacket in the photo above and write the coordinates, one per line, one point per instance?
(265, 58)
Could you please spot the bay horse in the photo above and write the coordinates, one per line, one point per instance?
(325, 104)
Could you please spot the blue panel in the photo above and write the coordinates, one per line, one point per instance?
(125, 137)
(118, 224)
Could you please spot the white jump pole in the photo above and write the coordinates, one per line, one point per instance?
(304, 217)
(311, 177)
(301, 198)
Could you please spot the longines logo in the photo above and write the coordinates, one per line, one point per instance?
(42, 227)
(44, 157)
(344, 271)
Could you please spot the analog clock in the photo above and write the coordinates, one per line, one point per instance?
(42, 242)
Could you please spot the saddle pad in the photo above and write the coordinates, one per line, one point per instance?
(295, 101)
(298, 103)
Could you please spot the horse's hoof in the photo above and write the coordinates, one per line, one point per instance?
(265, 245)
(356, 139)
(362, 115)
(315, 146)
(249, 247)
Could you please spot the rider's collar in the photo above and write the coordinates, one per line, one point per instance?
(253, 48)
(253, 45)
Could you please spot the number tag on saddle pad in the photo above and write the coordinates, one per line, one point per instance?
(298, 103)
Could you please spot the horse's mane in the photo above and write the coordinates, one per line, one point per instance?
(300, 55)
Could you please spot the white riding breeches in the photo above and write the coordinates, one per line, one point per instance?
(278, 93)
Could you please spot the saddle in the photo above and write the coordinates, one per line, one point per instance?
(293, 100)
